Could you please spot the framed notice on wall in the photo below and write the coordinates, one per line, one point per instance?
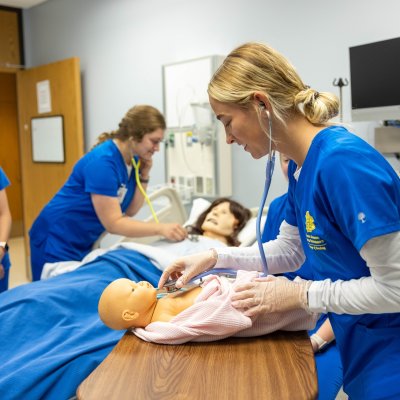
(48, 139)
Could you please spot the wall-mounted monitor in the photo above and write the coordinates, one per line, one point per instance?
(375, 81)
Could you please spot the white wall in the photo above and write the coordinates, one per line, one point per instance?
(122, 45)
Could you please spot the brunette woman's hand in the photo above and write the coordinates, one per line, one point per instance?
(173, 231)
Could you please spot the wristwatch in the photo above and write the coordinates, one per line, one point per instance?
(4, 245)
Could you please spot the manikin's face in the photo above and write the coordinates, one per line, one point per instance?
(242, 127)
(149, 145)
(136, 295)
(220, 220)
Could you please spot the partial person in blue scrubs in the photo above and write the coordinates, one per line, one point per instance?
(101, 194)
(342, 215)
(327, 357)
(5, 228)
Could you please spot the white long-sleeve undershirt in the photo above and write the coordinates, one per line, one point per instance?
(378, 293)
(375, 294)
(283, 254)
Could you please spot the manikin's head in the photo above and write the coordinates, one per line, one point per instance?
(222, 220)
(126, 304)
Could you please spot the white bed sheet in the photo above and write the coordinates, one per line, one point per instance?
(161, 254)
(160, 251)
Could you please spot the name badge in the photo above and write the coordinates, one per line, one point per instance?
(121, 193)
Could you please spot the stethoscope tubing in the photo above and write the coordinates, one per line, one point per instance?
(268, 178)
(269, 170)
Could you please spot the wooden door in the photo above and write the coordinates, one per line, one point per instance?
(10, 59)
(41, 180)
(9, 148)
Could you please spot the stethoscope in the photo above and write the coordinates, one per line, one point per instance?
(269, 170)
(136, 166)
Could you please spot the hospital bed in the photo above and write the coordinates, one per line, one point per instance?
(279, 365)
(169, 207)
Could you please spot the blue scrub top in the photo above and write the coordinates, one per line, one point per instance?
(347, 193)
(4, 182)
(275, 217)
(69, 223)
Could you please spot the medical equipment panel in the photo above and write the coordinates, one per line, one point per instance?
(198, 161)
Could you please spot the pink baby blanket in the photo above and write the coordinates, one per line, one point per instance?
(212, 317)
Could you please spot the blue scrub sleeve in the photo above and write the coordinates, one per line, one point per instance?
(4, 181)
(101, 177)
(349, 191)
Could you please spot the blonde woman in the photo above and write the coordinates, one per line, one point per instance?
(343, 214)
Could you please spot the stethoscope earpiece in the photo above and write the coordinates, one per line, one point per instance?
(262, 106)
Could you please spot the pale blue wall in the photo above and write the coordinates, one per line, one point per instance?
(122, 45)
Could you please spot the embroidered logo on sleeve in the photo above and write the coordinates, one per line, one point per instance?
(362, 217)
(315, 242)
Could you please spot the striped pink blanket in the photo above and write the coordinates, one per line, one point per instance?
(212, 317)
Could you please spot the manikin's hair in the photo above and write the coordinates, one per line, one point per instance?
(255, 67)
(137, 122)
(242, 214)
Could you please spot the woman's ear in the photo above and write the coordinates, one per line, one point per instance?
(261, 101)
(128, 315)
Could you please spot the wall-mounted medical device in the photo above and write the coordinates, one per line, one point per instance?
(198, 161)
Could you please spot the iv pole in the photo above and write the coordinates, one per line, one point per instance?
(340, 83)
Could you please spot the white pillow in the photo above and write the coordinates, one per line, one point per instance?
(247, 235)
(199, 205)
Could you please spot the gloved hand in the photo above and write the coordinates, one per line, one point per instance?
(185, 268)
(270, 294)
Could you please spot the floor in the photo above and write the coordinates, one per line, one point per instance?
(18, 274)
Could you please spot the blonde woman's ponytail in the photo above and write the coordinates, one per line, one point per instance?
(317, 107)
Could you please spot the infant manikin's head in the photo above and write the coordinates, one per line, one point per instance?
(126, 304)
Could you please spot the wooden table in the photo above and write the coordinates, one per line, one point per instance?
(277, 366)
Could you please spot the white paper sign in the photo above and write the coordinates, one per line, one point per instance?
(43, 96)
(48, 139)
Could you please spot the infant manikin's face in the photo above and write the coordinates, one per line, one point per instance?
(125, 303)
(136, 296)
(220, 220)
